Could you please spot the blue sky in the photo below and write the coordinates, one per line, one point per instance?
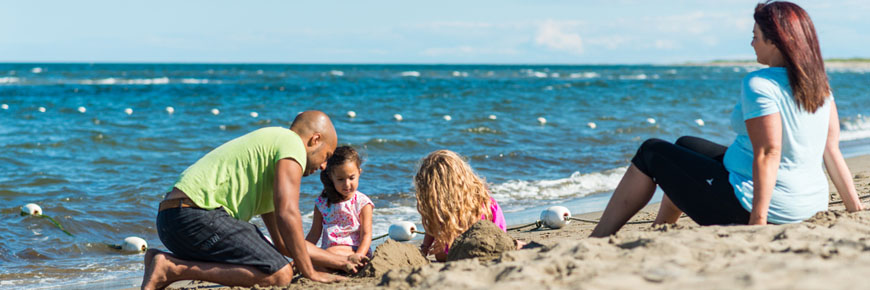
(497, 32)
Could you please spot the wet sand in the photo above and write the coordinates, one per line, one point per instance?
(825, 252)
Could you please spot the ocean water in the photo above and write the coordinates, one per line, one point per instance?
(70, 144)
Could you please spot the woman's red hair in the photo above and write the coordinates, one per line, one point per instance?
(790, 29)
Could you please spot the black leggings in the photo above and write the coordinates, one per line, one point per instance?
(692, 175)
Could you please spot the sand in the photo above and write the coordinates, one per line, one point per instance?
(393, 255)
(483, 240)
(828, 251)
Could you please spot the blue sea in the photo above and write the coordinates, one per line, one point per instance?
(96, 146)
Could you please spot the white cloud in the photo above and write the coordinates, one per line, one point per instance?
(744, 24)
(609, 42)
(551, 35)
(693, 23)
(457, 24)
(665, 44)
(710, 40)
(467, 50)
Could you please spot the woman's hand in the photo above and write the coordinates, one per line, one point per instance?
(757, 218)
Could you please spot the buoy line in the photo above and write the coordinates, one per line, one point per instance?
(401, 231)
(538, 224)
(130, 244)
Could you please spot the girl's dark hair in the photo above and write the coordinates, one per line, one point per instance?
(790, 29)
(340, 156)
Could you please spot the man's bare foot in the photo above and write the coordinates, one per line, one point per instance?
(155, 270)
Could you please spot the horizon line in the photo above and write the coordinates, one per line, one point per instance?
(706, 62)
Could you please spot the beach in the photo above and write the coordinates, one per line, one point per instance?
(824, 252)
(98, 145)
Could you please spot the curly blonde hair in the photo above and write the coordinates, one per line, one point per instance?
(450, 196)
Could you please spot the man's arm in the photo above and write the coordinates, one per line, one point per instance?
(288, 177)
(272, 226)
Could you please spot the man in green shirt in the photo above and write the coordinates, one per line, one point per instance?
(203, 220)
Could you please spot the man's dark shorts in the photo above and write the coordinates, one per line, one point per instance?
(215, 236)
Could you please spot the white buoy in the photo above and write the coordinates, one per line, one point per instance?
(41, 109)
(402, 231)
(591, 125)
(4, 106)
(699, 122)
(31, 209)
(82, 110)
(351, 114)
(128, 111)
(215, 111)
(542, 120)
(651, 120)
(223, 127)
(134, 244)
(397, 117)
(447, 118)
(336, 73)
(254, 114)
(492, 117)
(555, 217)
(170, 110)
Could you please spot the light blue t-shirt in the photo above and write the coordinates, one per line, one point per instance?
(801, 186)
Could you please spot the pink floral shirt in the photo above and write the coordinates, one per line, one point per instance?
(341, 221)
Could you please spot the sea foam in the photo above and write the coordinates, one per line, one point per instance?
(855, 128)
(584, 75)
(9, 80)
(577, 185)
(117, 81)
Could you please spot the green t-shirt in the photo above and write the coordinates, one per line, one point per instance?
(239, 175)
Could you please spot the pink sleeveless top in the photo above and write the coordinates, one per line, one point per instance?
(497, 218)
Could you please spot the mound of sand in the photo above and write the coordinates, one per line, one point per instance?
(393, 255)
(483, 240)
(828, 251)
(809, 255)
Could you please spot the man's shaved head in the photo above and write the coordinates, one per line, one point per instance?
(317, 132)
(309, 122)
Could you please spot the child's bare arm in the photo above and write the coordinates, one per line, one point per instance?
(316, 227)
(426, 245)
(365, 230)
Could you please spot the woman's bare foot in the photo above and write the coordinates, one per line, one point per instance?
(155, 270)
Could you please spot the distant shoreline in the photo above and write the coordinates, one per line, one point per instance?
(832, 63)
(836, 63)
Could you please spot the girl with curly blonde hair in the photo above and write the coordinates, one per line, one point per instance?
(450, 199)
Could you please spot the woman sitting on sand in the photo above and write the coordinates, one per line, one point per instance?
(786, 124)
